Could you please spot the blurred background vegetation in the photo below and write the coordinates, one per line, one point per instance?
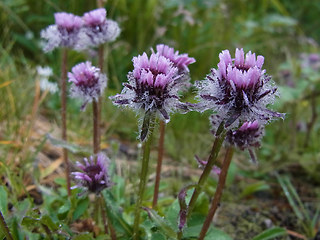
(286, 32)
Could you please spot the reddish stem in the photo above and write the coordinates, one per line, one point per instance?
(64, 113)
(96, 135)
(159, 164)
(218, 193)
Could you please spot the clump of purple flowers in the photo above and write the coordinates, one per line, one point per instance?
(248, 136)
(93, 176)
(64, 33)
(152, 87)
(97, 29)
(88, 83)
(238, 91)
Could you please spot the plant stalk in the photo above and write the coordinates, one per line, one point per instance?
(159, 164)
(5, 228)
(101, 62)
(63, 114)
(106, 220)
(143, 180)
(96, 135)
(204, 176)
(99, 104)
(218, 193)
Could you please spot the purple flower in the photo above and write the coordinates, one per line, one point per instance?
(68, 21)
(93, 176)
(97, 29)
(151, 87)
(248, 136)
(87, 82)
(238, 91)
(181, 61)
(64, 33)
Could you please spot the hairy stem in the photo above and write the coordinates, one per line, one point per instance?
(96, 142)
(204, 176)
(63, 84)
(143, 179)
(159, 164)
(218, 193)
(5, 228)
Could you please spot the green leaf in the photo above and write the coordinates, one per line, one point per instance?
(84, 236)
(29, 221)
(46, 220)
(64, 210)
(255, 187)
(195, 225)
(292, 197)
(161, 223)
(3, 200)
(271, 233)
(158, 236)
(114, 213)
(80, 209)
(217, 234)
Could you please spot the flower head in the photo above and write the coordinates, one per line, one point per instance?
(248, 136)
(93, 176)
(68, 21)
(97, 29)
(88, 82)
(151, 87)
(181, 61)
(239, 90)
(64, 33)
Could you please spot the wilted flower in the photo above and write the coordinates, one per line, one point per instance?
(88, 82)
(93, 176)
(97, 29)
(248, 136)
(151, 88)
(64, 33)
(238, 91)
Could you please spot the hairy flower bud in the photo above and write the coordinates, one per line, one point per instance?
(88, 83)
